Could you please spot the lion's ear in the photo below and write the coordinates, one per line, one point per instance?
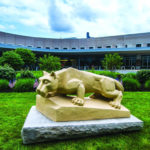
(53, 74)
(45, 73)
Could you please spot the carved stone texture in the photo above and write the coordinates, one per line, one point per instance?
(38, 128)
(60, 108)
(73, 81)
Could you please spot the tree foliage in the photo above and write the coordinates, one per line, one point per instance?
(7, 72)
(27, 56)
(112, 61)
(49, 63)
(12, 59)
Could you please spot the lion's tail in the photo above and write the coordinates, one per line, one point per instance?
(119, 86)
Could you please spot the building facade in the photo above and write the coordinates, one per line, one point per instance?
(84, 53)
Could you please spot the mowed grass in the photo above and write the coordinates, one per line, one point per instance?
(14, 108)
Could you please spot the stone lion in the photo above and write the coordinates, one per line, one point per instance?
(73, 81)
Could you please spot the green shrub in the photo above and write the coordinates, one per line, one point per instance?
(110, 74)
(18, 75)
(112, 61)
(147, 85)
(143, 76)
(13, 59)
(7, 72)
(131, 84)
(106, 73)
(37, 74)
(49, 63)
(129, 75)
(26, 74)
(27, 56)
(24, 85)
(4, 85)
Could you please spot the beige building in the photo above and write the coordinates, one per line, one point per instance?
(86, 52)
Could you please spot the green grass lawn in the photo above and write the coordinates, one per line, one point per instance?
(14, 108)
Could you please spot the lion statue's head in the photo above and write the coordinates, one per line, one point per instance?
(48, 84)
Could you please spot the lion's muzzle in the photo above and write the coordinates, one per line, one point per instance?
(41, 93)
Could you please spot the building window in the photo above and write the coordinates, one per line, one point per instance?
(29, 46)
(65, 48)
(138, 45)
(47, 47)
(108, 46)
(126, 46)
(90, 47)
(148, 44)
(99, 47)
(73, 48)
(82, 48)
(116, 46)
(56, 48)
(129, 61)
(38, 47)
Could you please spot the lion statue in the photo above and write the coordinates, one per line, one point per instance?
(73, 81)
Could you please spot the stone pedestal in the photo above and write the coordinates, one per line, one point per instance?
(38, 128)
(61, 108)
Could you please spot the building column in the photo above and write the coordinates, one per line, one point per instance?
(138, 61)
(79, 63)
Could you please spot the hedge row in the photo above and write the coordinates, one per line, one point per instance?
(139, 81)
(26, 79)
(21, 85)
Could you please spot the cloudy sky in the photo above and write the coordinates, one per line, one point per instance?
(73, 18)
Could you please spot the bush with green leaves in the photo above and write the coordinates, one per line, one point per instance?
(7, 72)
(112, 61)
(37, 74)
(143, 76)
(49, 63)
(147, 85)
(27, 56)
(110, 74)
(26, 74)
(131, 84)
(12, 59)
(24, 85)
(4, 85)
(129, 75)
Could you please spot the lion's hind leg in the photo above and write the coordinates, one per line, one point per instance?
(116, 95)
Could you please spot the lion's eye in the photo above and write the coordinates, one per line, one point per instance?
(45, 81)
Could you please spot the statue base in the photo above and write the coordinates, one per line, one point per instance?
(38, 128)
(60, 108)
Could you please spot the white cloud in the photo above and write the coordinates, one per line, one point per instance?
(75, 17)
(28, 12)
(59, 19)
(12, 27)
(2, 27)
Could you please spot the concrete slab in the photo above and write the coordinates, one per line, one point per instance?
(38, 128)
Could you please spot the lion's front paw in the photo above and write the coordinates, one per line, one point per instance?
(115, 104)
(78, 101)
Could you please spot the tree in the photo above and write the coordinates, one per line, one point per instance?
(49, 63)
(112, 61)
(27, 56)
(12, 59)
